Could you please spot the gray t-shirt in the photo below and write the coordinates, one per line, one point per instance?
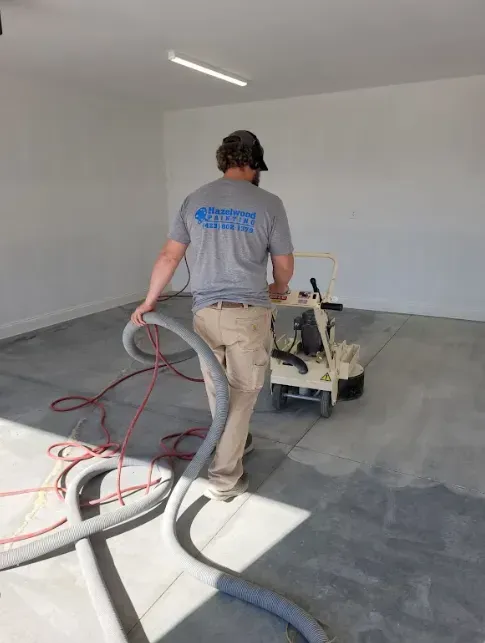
(232, 227)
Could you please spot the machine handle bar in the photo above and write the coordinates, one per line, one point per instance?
(327, 305)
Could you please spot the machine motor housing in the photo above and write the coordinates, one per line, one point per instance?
(311, 340)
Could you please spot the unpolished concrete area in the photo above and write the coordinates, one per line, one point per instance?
(373, 520)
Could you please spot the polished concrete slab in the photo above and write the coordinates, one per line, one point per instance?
(134, 561)
(424, 408)
(84, 357)
(27, 429)
(373, 520)
(376, 555)
(26, 465)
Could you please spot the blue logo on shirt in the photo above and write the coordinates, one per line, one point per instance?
(226, 219)
(201, 215)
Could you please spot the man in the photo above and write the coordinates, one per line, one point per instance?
(233, 226)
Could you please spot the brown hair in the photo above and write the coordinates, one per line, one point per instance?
(233, 154)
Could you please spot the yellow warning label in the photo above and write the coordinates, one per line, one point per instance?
(326, 378)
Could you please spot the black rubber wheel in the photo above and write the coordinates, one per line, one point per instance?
(352, 388)
(278, 397)
(326, 406)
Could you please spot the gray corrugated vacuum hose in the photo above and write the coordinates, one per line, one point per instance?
(79, 530)
(236, 587)
(79, 533)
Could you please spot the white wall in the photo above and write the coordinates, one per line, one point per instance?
(82, 202)
(390, 179)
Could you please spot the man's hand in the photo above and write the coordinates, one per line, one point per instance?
(137, 317)
(277, 289)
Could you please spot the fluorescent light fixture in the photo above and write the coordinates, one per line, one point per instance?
(205, 70)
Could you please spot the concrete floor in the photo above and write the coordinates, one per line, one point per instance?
(373, 520)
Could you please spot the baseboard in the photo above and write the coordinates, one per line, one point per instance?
(23, 326)
(450, 310)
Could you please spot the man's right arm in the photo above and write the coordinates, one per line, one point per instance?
(281, 250)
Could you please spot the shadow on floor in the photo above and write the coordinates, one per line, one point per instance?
(379, 557)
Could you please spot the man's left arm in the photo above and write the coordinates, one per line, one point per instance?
(164, 269)
(166, 264)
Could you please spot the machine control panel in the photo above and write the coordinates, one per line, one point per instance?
(304, 298)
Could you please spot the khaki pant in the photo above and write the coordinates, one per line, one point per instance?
(240, 339)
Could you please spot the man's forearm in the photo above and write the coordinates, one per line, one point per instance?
(162, 273)
(283, 272)
(282, 282)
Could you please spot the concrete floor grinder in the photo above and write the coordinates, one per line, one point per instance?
(311, 365)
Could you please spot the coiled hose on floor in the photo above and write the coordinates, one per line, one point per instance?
(80, 530)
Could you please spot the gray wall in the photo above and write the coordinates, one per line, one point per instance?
(82, 202)
(391, 179)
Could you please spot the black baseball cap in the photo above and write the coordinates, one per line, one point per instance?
(251, 140)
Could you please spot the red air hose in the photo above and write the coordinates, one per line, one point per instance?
(169, 444)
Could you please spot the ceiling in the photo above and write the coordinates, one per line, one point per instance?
(284, 48)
